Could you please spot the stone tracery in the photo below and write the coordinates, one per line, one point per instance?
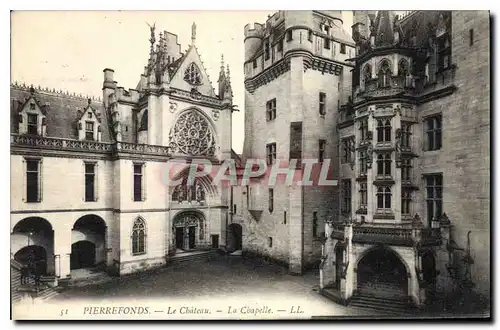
(192, 135)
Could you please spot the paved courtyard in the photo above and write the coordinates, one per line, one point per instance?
(232, 280)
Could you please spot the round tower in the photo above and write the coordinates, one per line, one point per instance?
(253, 39)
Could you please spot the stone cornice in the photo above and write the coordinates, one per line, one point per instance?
(310, 61)
(268, 75)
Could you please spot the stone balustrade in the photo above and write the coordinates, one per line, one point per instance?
(41, 142)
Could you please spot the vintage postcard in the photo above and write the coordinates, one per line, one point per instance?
(250, 165)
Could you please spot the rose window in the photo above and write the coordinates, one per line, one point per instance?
(192, 74)
(192, 135)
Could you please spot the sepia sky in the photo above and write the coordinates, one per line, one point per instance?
(68, 50)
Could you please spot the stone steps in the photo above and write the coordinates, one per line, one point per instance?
(16, 289)
(204, 256)
(383, 299)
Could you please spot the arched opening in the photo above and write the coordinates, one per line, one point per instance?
(380, 272)
(88, 247)
(34, 256)
(188, 231)
(235, 237)
(384, 74)
(83, 255)
(32, 240)
(429, 272)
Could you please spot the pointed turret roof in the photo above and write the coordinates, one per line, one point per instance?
(383, 28)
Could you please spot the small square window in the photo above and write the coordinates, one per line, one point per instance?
(342, 48)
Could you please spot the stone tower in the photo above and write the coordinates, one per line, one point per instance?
(296, 77)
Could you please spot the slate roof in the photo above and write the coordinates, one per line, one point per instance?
(61, 111)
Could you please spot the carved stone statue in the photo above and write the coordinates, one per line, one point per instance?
(199, 192)
(152, 29)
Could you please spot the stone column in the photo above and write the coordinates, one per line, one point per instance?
(347, 283)
(62, 249)
(397, 191)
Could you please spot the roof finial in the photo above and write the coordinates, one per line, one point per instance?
(222, 62)
(227, 74)
(89, 100)
(193, 33)
(152, 39)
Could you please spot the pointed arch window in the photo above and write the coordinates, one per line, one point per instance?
(139, 237)
(384, 130)
(404, 71)
(384, 74)
(192, 74)
(367, 73)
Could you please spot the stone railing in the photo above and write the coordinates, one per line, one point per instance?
(58, 144)
(34, 141)
(394, 236)
(142, 148)
(337, 231)
(430, 236)
(396, 85)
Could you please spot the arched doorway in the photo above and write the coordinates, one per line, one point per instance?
(32, 240)
(429, 273)
(381, 272)
(188, 231)
(235, 238)
(33, 255)
(82, 254)
(89, 242)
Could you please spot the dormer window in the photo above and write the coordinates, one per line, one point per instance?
(89, 131)
(32, 123)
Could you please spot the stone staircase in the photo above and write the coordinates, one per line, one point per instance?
(191, 257)
(17, 290)
(383, 299)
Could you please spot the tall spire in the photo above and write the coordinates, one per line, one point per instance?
(193, 34)
(222, 75)
(383, 28)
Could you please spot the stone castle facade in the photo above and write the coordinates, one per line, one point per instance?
(402, 108)
(90, 176)
(400, 111)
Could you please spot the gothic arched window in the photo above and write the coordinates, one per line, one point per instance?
(404, 71)
(403, 68)
(384, 74)
(192, 74)
(192, 135)
(384, 130)
(367, 73)
(139, 237)
(384, 196)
